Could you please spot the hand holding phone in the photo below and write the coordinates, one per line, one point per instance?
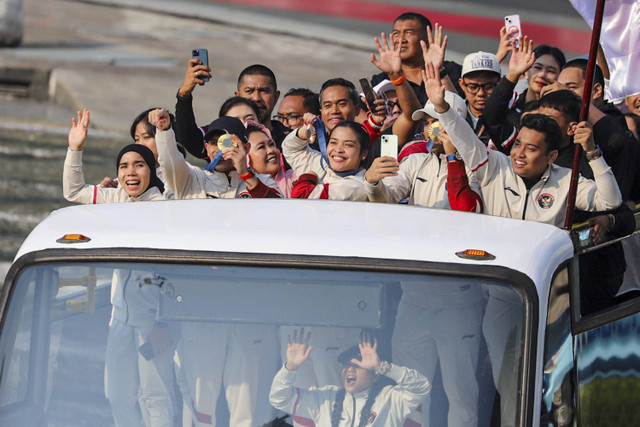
(369, 94)
(513, 27)
(389, 146)
(203, 56)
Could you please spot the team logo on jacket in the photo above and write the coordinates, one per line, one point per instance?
(545, 201)
(244, 195)
(372, 418)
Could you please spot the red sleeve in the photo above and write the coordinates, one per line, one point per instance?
(461, 196)
(373, 129)
(305, 184)
(263, 191)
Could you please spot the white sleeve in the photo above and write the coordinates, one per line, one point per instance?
(74, 187)
(301, 157)
(412, 386)
(482, 161)
(282, 395)
(601, 194)
(177, 172)
(392, 189)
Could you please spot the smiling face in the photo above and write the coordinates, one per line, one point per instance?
(357, 379)
(544, 71)
(133, 174)
(633, 102)
(409, 33)
(143, 137)
(344, 151)
(336, 106)
(529, 156)
(260, 90)
(264, 154)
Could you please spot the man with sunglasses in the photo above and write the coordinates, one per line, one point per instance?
(480, 75)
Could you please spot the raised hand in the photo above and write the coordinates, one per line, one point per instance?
(437, 47)
(390, 61)
(159, 118)
(504, 47)
(433, 86)
(195, 70)
(78, 132)
(522, 58)
(298, 349)
(369, 351)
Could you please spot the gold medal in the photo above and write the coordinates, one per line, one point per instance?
(227, 141)
(434, 131)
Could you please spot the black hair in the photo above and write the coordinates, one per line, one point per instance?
(546, 125)
(258, 70)
(636, 120)
(365, 413)
(237, 100)
(358, 129)
(412, 16)
(581, 63)
(338, 81)
(151, 129)
(564, 101)
(545, 49)
(311, 101)
(530, 106)
(144, 118)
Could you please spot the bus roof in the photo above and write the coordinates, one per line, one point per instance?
(307, 227)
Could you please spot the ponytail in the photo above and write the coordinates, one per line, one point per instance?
(336, 413)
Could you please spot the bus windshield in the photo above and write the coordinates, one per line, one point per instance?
(171, 344)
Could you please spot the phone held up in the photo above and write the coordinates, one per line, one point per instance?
(512, 23)
(203, 56)
(389, 146)
(369, 94)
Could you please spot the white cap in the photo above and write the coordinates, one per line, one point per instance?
(453, 99)
(480, 61)
(383, 87)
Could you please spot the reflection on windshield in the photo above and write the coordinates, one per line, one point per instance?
(177, 345)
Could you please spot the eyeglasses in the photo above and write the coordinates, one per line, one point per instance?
(290, 119)
(475, 87)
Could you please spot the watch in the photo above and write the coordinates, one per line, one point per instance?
(455, 156)
(595, 153)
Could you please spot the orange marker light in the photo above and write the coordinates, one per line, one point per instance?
(73, 238)
(476, 255)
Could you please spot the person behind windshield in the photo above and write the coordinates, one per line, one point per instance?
(366, 397)
(140, 349)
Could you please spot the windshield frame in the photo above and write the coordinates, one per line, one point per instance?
(494, 273)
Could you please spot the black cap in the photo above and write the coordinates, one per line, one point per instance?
(224, 125)
(350, 353)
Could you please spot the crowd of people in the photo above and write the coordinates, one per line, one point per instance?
(469, 139)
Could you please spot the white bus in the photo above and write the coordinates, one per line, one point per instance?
(228, 280)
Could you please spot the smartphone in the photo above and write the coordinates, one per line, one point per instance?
(369, 94)
(389, 146)
(146, 350)
(203, 56)
(511, 23)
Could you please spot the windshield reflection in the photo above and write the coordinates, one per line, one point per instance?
(145, 344)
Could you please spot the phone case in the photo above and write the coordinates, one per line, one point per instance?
(203, 56)
(512, 22)
(389, 146)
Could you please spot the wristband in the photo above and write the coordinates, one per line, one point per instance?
(247, 176)
(597, 152)
(373, 124)
(454, 157)
(383, 367)
(399, 80)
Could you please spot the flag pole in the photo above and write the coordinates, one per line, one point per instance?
(584, 110)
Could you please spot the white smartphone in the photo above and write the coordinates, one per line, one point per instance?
(511, 23)
(389, 146)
